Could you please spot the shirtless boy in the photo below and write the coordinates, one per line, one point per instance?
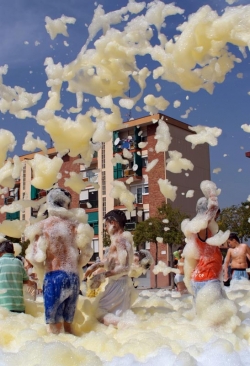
(237, 256)
(116, 298)
(56, 244)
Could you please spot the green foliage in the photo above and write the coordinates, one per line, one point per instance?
(153, 227)
(235, 218)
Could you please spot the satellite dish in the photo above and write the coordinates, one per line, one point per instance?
(117, 140)
(135, 167)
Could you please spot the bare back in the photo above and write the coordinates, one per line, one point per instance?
(62, 252)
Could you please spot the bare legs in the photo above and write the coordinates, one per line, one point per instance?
(57, 328)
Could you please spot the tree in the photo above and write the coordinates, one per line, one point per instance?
(235, 218)
(155, 227)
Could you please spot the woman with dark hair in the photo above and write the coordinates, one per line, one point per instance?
(116, 298)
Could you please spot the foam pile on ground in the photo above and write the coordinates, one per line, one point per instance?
(161, 331)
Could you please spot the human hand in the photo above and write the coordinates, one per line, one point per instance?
(89, 271)
(97, 280)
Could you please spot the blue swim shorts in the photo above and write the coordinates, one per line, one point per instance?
(239, 274)
(60, 292)
(197, 286)
(178, 278)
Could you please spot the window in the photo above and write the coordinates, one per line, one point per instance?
(139, 195)
(24, 176)
(103, 155)
(139, 191)
(104, 208)
(144, 161)
(104, 183)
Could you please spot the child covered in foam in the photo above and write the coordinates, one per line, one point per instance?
(115, 299)
(60, 247)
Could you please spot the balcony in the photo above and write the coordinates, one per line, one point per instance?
(90, 176)
(13, 216)
(86, 204)
(129, 141)
(8, 200)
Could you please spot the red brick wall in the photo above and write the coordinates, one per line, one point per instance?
(155, 196)
(68, 167)
(162, 281)
(2, 216)
(155, 199)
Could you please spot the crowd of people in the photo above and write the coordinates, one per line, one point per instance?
(56, 247)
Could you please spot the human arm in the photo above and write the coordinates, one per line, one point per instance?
(248, 251)
(226, 264)
(93, 268)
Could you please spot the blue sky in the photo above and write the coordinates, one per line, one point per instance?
(22, 24)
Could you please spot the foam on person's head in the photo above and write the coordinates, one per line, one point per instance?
(58, 198)
(202, 205)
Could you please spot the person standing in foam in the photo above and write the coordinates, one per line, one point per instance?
(116, 298)
(205, 266)
(236, 255)
(57, 242)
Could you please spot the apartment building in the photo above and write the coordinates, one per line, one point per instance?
(144, 185)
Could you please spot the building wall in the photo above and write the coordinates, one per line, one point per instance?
(178, 130)
(188, 180)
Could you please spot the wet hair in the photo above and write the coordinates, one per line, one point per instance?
(233, 236)
(116, 215)
(59, 197)
(201, 205)
(6, 247)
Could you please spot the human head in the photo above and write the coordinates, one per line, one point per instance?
(115, 220)
(6, 247)
(232, 240)
(201, 206)
(58, 197)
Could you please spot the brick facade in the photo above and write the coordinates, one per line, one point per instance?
(155, 199)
